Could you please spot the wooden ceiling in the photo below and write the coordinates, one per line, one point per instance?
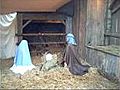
(32, 5)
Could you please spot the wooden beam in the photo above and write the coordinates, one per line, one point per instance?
(79, 25)
(115, 9)
(42, 34)
(26, 24)
(43, 16)
(101, 50)
(34, 43)
(50, 21)
(32, 5)
(115, 35)
(19, 25)
(0, 6)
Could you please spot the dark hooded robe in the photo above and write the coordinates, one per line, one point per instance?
(73, 62)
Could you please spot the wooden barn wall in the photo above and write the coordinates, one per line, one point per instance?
(67, 9)
(115, 28)
(96, 10)
(79, 22)
(109, 64)
(88, 23)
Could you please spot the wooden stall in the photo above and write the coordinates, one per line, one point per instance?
(41, 29)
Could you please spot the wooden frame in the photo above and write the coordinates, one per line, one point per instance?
(94, 48)
(44, 16)
(29, 17)
(42, 34)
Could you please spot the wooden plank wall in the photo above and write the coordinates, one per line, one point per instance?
(88, 23)
(79, 23)
(115, 22)
(96, 10)
(107, 63)
(112, 32)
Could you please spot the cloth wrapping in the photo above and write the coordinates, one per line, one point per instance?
(22, 60)
(8, 27)
(50, 61)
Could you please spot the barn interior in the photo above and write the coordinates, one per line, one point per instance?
(44, 34)
(45, 24)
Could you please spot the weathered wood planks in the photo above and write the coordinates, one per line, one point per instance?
(79, 24)
(109, 64)
(95, 22)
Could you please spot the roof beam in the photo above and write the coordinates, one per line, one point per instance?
(32, 5)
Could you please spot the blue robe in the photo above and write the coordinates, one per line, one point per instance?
(22, 60)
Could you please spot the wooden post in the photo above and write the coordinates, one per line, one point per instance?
(69, 25)
(0, 6)
(19, 25)
(79, 23)
(76, 21)
(82, 28)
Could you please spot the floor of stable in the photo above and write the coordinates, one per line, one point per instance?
(58, 77)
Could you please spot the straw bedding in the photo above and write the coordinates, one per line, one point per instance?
(56, 78)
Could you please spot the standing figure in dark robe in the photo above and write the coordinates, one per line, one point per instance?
(70, 57)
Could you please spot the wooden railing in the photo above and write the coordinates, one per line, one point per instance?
(42, 34)
(115, 35)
